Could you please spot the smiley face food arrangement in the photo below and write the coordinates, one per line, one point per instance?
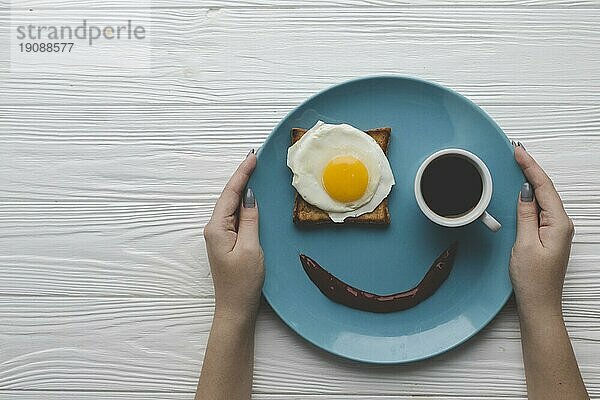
(342, 175)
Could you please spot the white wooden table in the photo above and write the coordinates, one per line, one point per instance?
(107, 181)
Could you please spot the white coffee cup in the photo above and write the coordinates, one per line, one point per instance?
(478, 212)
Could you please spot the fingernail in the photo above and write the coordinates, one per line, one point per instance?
(526, 192)
(249, 201)
(513, 143)
(250, 152)
(521, 145)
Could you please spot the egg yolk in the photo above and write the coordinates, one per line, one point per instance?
(345, 179)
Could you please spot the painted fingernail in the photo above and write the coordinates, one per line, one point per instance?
(521, 145)
(526, 192)
(250, 152)
(249, 201)
(513, 143)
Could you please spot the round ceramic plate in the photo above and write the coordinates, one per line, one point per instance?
(424, 118)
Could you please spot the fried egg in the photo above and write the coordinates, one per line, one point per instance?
(340, 169)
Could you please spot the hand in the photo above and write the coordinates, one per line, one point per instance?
(541, 251)
(234, 252)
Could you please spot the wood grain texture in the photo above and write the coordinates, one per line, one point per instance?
(106, 182)
(215, 5)
(505, 55)
(62, 395)
(164, 338)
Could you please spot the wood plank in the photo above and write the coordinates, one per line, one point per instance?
(156, 345)
(215, 5)
(256, 55)
(62, 395)
(84, 395)
(233, 124)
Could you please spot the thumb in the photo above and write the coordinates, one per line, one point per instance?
(248, 220)
(527, 216)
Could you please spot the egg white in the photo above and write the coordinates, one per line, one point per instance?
(308, 157)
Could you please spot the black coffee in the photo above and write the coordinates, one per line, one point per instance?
(451, 186)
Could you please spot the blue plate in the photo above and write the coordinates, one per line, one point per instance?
(424, 117)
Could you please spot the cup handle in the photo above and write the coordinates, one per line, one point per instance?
(490, 222)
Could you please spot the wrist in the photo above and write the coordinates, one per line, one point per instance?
(239, 305)
(237, 315)
(532, 303)
(543, 314)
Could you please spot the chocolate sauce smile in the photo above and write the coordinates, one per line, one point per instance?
(342, 293)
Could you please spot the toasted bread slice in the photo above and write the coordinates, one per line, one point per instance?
(307, 214)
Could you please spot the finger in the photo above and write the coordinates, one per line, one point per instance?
(546, 195)
(248, 221)
(527, 217)
(229, 201)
